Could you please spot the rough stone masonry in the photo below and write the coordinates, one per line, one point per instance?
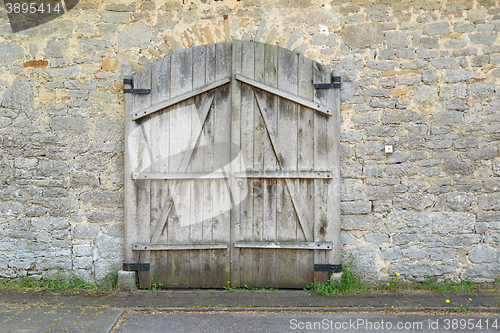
(421, 75)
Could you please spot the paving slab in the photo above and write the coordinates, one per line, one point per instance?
(237, 322)
(50, 319)
(45, 312)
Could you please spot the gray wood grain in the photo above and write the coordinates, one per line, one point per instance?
(289, 165)
(256, 185)
(165, 104)
(160, 135)
(182, 82)
(321, 75)
(305, 161)
(284, 94)
(270, 165)
(222, 200)
(247, 134)
(196, 247)
(208, 167)
(196, 204)
(285, 245)
(290, 185)
(142, 80)
(235, 214)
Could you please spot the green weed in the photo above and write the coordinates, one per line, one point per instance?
(446, 285)
(349, 283)
(60, 280)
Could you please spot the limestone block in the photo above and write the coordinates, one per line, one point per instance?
(56, 48)
(482, 272)
(362, 35)
(377, 238)
(442, 254)
(364, 263)
(103, 198)
(426, 94)
(127, 280)
(489, 201)
(408, 221)
(85, 231)
(433, 29)
(483, 254)
(360, 222)
(19, 96)
(482, 90)
(396, 39)
(134, 35)
(351, 190)
(487, 38)
(419, 269)
(453, 222)
(355, 207)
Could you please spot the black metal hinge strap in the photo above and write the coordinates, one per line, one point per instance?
(137, 91)
(330, 85)
(327, 268)
(134, 91)
(136, 267)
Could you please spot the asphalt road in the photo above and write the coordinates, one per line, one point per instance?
(305, 322)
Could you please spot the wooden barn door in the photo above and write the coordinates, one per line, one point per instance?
(231, 173)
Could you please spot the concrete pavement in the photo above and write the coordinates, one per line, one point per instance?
(46, 312)
(280, 322)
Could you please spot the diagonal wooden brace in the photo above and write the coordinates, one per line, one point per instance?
(162, 219)
(271, 130)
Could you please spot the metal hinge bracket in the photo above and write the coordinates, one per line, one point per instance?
(136, 267)
(330, 85)
(134, 91)
(327, 268)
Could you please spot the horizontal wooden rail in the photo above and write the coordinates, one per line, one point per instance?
(294, 98)
(177, 246)
(172, 176)
(286, 174)
(271, 175)
(178, 99)
(286, 245)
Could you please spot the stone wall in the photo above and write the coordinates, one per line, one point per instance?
(421, 75)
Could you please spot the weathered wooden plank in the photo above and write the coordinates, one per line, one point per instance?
(180, 117)
(160, 106)
(208, 167)
(281, 161)
(177, 247)
(176, 175)
(130, 200)
(315, 106)
(321, 75)
(160, 131)
(183, 165)
(144, 160)
(285, 245)
(196, 164)
(247, 132)
(286, 128)
(286, 174)
(305, 161)
(257, 185)
(270, 165)
(236, 164)
(333, 205)
(222, 201)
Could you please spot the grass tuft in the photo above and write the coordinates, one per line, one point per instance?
(351, 283)
(61, 281)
